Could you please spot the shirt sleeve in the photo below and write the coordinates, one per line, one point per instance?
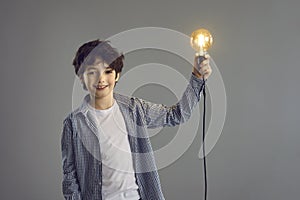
(158, 115)
(70, 186)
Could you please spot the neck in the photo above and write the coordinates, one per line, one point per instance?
(101, 103)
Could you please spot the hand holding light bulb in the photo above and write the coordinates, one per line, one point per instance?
(201, 40)
(202, 70)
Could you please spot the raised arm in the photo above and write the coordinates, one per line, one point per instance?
(157, 115)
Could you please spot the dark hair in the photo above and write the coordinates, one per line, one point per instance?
(88, 52)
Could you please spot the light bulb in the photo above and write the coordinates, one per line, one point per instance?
(201, 40)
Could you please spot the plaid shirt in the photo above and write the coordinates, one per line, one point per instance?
(81, 157)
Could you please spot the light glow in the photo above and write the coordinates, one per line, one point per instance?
(201, 41)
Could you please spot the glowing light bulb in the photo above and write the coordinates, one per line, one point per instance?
(201, 41)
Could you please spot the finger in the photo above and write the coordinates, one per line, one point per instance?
(206, 67)
(207, 70)
(203, 72)
(203, 68)
(204, 64)
(207, 56)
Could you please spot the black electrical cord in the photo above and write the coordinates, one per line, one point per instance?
(203, 141)
(200, 59)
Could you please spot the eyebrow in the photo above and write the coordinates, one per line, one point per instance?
(106, 68)
(89, 68)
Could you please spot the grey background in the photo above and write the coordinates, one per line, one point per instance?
(257, 51)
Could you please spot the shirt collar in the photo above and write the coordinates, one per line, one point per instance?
(120, 99)
(83, 108)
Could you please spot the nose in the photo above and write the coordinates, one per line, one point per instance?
(101, 78)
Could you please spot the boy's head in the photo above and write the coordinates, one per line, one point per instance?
(91, 52)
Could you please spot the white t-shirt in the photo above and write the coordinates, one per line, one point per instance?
(117, 166)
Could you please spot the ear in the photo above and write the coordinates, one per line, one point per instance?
(81, 79)
(82, 82)
(118, 76)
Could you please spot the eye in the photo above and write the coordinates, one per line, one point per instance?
(109, 71)
(91, 73)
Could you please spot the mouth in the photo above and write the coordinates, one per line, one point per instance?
(101, 87)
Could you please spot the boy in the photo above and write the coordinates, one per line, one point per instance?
(106, 153)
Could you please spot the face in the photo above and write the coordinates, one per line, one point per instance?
(100, 80)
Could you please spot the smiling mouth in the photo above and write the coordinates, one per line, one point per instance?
(101, 87)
